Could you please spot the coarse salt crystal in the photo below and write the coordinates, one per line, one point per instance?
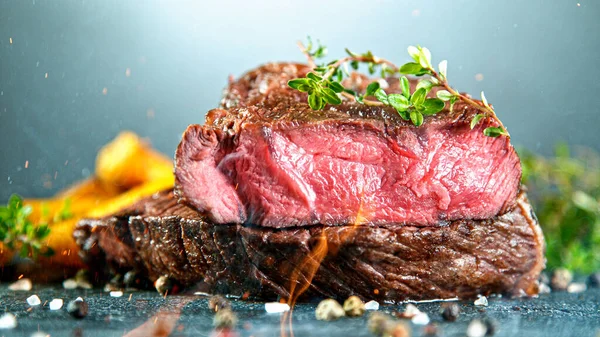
(476, 329)
(372, 305)
(23, 284)
(481, 301)
(69, 284)
(56, 304)
(276, 307)
(33, 300)
(116, 293)
(420, 319)
(8, 321)
(576, 287)
(39, 334)
(411, 311)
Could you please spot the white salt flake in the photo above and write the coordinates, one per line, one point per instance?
(481, 301)
(372, 305)
(8, 321)
(276, 307)
(40, 334)
(576, 288)
(544, 288)
(23, 284)
(476, 329)
(420, 319)
(411, 311)
(56, 304)
(69, 284)
(33, 300)
(116, 293)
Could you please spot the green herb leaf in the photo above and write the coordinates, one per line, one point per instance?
(405, 85)
(301, 84)
(424, 57)
(331, 97)
(476, 120)
(415, 53)
(444, 95)
(494, 131)
(404, 114)
(416, 117)
(412, 69)
(418, 97)
(381, 96)
(314, 101)
(314, 77)
(484, 100)
(354, 65)
(433, 106)
(372, 88)
(427, 84)
(443, 68)
(336, 86)
(399, 102)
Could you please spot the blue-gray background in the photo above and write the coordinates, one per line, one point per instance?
(538, 59)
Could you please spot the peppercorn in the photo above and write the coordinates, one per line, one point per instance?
(397, 329)
(431, 330)
(354, 306)
(594, 280)
(224, 318)
(378, 323)
(561, 278)
(78, 308)
(329, 310)
(450, 311)
(163, 285)
(216, 303)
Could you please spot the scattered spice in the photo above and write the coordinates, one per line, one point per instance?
(56, 304)
(476, 329)
(594, 280)
(23, 284)
(329, 310)
(372, 305)
(224, 318)
(381, 324)
(450, 311)
(132, 279)
(354, 306)
(420, 319)
(409, 312)
(276, 307)
(163, 285)
(217, 302)
(34, 300)
(70, 284)
(561, 278)
(116, 293)
(8, 321)
(431, 330)
(481, 301)
(78, 308)
(576, 287)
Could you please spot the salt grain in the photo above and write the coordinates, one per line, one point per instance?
(372, 305)
(33, 300)
(69, 284)
(8, 321)
(411, 311)
(276, 307)
(576, 287)
(56, 304)
(116, 293)
(39, 334)
(476, 329)
(420, 319)
(23, 284)
(481, 301)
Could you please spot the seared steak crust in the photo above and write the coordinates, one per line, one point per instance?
(461, 258)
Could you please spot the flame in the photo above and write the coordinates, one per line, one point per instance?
(304, 273)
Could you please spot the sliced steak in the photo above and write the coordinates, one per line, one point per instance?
(463, 258)
(265, 158)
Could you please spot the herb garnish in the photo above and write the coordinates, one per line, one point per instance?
(323, 85)
(565, 190)
(18, 233)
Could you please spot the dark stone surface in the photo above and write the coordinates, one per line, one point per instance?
(556, 314)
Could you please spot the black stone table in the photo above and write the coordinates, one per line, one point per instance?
(556, 314)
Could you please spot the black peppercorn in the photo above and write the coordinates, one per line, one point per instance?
(78, 308)
(450, 311)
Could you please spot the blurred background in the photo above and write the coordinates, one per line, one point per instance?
(75, 73)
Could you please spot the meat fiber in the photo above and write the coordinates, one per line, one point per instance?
(461, 258)
(265, 158)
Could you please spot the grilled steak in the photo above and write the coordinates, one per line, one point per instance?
(158, 236)
(265, 158)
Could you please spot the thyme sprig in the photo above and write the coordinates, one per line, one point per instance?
(18, 233)
(324, 86)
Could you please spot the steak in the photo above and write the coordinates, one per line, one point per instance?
(459, 258)
(265, 158)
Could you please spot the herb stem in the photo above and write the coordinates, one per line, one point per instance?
(466, 99)
(365, 102)
(309, 58)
